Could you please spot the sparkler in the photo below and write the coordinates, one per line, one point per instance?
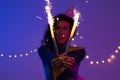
(75, 24)
(51, 21)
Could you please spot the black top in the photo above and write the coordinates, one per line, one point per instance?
(47, 55)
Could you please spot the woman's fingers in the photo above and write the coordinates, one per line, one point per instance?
(63, 60)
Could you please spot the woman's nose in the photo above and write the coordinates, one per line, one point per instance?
(61, 31)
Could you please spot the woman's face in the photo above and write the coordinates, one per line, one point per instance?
(62, 31)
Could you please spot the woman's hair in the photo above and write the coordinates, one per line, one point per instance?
(47, 40)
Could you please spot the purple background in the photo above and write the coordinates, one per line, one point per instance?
(21, 32)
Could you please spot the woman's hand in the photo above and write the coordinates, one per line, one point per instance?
(68, 61)
(63, 60)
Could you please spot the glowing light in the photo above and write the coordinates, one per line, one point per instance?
(109, 60)
(91, 62)
(75, 45)
(103, 61)
(87, 57)
(97, 62)
(77, 33)
(15, 56)
(112, 56)
(119, 47)
(81, 37)
(21, 55)
(2, 55)
(26, 54)
(73, 39)
(10, 56)
(35, 50)
(116, 51)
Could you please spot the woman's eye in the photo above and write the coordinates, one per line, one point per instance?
(65, 28)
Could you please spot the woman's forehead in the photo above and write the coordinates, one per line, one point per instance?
(63, 22)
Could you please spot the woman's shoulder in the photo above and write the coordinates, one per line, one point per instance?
(42, 48)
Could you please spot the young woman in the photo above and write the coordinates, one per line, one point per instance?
(64, 66)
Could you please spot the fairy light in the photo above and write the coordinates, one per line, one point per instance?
(103, 61)
(10, 56)
(15, 56)
(73, 39)
(112, 56)
(35, 50)
(91, 62)
(109, 60)
(87, 57)
(77, 33)
(116, 51)
(2, 55)
(119, 47)
(75, 45)
(21, 55)
(97, 62)
(81, 37)
(26, 54)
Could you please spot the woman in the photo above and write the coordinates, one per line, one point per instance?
(64, 66)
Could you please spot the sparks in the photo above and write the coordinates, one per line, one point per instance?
(51, 21)
(50, 17)
(76, 17)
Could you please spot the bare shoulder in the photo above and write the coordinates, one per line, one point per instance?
(75, 48)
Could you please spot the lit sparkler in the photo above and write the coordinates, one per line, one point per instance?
(51, 21)
(75, 24)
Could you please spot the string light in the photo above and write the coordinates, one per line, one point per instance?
(73, 39)
(19, 55)
(103, 61)
(119, 47)
(112, 56)
(116, 51)
(87, 57)
(91, 62)
(109, 60)
(2, 55)
(10, 56)
(97, 62)
(15, 56)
